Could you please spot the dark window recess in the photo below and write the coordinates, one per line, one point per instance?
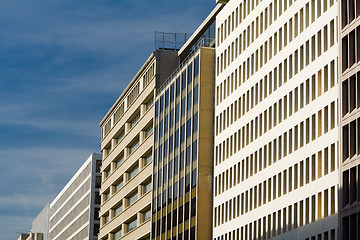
(187, 211)
(98, 165)
(97, 198)
(96, 213)
(345, 188)
(193, 207)
(98, 182)
(96, 229)
(345, 142)
(174, 218)
(181, 214)
(163, 224)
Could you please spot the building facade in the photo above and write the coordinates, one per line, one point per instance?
(349, 45)
(276, 134)
(127, 139)
(73, 213)
(183, 142)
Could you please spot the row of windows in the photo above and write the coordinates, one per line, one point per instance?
(350, 9)
(280, 74)
(166, 124)
(275, 43)
(275, 114)
(186, 78)
(350, 49)
(351, 187)
(350, 227)
(301, 213)
(174, 191)
(296, 176)
(351, 139)
(130, 123)
(119, 112)
(300, 135)
(172, 219)
(350, 94)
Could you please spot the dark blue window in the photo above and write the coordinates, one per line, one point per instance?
(182, 133)
(183, 80)
(176, 165)
(176, 138)
(161, 103)
(156, 133)
(165, 148)
(165, 174)
(172, 92)
(160, 153)
(187, 183)
(188, 128)
(159, 202)
(195, 122)
(154, 209)
(181, 187)
(178, 86)
(157, 109)
(170, 169)
(193, 180)
(175, 190)
(154, 182)
(182, 160)
(166, 98)
(177, 113)
(183, 107)
(196, 67)
(169, 198)
(155, 157)
(171, 118)
(159, 178)
(189, 70)
(188, 155)
(194, 150)
(196, 94)
(171, 142)
(166, 123)
(164, 200)
(189, 100)
(160, 128)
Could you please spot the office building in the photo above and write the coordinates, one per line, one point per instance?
(183, 142)
(349, 103)
(127, 140)
(276, 124)
(73, 214)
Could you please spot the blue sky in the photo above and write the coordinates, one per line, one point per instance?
(62, 66)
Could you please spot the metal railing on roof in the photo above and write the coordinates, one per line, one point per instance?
(203, 42)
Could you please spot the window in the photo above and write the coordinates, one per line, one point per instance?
(161, 103)
(182, 160)
(119, 185)
(134, 120)
(147, 159)
(134, 146)
(196, 67)
(189, 70)
(195, 122)
(166, 98)
(133, 171)
(133, 198)
(189, 100)
(147, 187)
(176, 165)
(148, 131)
(182, 133)
(118, 209)
(147, 215)
(188, 128)
(156, 109)
(170, 169)
(132, 225)
(196, 94)
(172, 92)
(171, 123)
(183, 80)
(193, 178)
(178, 86)
(183, 106)
(181, 187)
(177, 113)
(118, 234)
(194, 150)
(187, 183)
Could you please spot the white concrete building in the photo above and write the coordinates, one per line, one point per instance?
(276, 134)
(74, 211)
